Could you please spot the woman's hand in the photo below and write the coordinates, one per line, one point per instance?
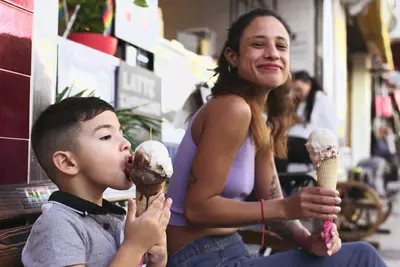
(318, 246)
(312, 202)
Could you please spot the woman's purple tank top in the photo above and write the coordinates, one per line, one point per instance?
(238, 186)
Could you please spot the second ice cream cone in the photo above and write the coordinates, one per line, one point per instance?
(327, 173)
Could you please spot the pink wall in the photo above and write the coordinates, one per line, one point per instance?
(16, 17)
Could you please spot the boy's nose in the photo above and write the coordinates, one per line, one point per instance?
(126, 145)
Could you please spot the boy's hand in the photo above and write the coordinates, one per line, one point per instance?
(149, 228)
(158, 253)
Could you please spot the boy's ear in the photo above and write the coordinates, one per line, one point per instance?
(65, 162)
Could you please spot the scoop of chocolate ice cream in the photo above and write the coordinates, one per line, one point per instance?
(149, 168)
(148, 182)
(140, 173)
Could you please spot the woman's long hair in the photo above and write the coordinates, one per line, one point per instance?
(279, 105)
(315, 87)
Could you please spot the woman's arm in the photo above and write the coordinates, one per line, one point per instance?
(223, 132)
(267, 186)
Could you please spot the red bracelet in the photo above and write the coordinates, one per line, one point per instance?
(263, 223)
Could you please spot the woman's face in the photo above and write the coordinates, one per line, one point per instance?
(263, 57)
(302, 89)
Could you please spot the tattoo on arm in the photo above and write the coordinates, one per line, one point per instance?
(284, 229)
(275, 190)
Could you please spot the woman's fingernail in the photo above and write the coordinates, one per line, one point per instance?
(329, 253)
(161, 196)
(329, 245)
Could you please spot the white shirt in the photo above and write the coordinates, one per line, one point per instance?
(323, 116)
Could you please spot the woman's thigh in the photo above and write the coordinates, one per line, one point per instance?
(210, 252)
(356, 254)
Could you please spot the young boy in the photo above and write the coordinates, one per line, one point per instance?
(79, 143)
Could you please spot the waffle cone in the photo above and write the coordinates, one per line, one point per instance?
(141, 197)
(327, 173)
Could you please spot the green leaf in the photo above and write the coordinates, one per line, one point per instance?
(141, 3)
(92, 92)
(81, 93)
(61, 95)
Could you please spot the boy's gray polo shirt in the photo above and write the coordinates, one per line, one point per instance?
(74, 231)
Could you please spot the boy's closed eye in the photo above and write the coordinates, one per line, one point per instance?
(106, 137)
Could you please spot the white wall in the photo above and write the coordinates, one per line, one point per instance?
(179, 15)
(360, 107)
(328, 48)
(214, 14)
(44, 67)
(300, 15)
(395, 34)
(339, 72)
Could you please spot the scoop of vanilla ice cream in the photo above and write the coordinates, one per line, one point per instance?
(322, 144)
(158, 157)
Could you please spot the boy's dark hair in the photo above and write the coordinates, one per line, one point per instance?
(57, 127)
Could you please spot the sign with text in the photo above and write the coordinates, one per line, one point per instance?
(138, 87)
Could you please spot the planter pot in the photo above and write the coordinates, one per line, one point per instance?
(105, 44)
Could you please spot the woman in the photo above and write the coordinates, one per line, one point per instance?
(228, 149)
(315, 108)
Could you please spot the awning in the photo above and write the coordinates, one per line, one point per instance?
(375, 30)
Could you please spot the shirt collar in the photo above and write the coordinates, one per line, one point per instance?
(84, 207)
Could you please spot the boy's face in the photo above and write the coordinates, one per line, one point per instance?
(102, 152)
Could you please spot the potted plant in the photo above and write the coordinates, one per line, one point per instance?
(89, 22)
(135, 127)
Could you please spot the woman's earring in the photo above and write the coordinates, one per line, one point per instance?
(229, 68)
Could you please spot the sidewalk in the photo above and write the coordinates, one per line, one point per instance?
(390, 244)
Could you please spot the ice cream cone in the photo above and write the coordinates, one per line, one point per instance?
(148, 169)
(143, 199)
(327, 172)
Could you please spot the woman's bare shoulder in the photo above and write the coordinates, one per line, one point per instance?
(230, 107)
